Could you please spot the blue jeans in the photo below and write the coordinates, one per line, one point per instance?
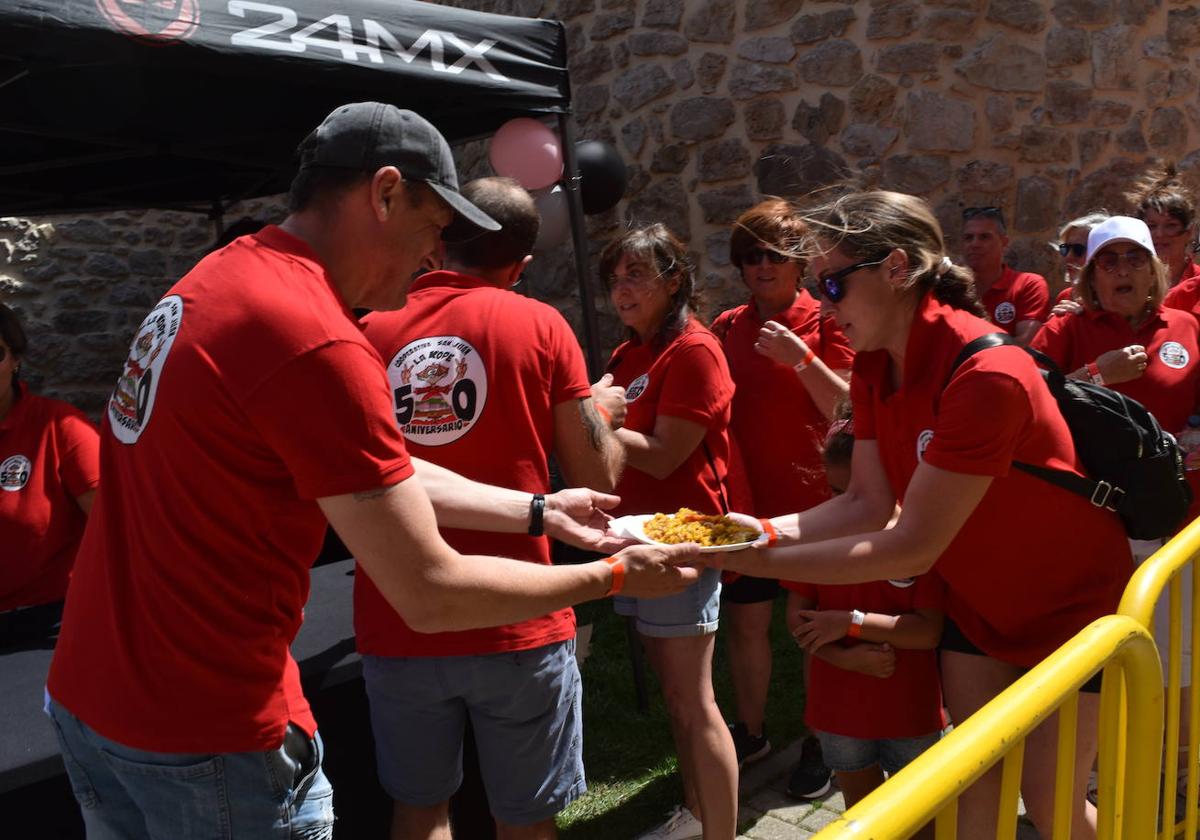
(128, 794)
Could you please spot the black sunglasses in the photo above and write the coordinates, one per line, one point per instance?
(996, 213)
(832, 286)
(1072, 249)
(755, 256)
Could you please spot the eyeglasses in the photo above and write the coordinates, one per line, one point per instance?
(832, 286)
(1136, 259)
(996, 213)
(1072, 249)
(755, 256)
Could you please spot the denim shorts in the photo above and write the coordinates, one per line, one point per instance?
(692, 612)
(524, 707)
(130, 794)
(849, 755)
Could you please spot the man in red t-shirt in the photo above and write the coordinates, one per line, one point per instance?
(250, 410)
(487, 383)
(1015, 301)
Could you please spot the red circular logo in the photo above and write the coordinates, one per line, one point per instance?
(157, 21)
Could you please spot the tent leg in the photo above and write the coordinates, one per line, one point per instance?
(587, 301)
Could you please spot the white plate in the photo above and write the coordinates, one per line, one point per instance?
(631, 526)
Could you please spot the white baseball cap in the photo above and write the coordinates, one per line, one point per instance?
(1119, 229)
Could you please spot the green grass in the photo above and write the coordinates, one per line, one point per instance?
(629, 757)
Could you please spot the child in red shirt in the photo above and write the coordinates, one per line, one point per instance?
(874, 696)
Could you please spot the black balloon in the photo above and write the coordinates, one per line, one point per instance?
(602, 175)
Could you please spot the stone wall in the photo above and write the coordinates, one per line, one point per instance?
(81, 286)
(1044, 108)
(1047, 109)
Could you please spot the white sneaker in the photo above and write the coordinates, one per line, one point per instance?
(680, 825)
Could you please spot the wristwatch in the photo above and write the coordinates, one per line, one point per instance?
(857, 617)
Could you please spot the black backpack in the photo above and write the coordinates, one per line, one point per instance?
(1136, 467)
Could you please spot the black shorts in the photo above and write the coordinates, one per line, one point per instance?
(30, 624)
(750, 590)
(954, 640)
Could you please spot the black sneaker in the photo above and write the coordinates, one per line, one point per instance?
(749, 748)
(810, 779)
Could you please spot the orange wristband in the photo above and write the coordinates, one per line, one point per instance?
(618, 575)
(769, 530)
(854, 630)
(605, 414)
(806, 361)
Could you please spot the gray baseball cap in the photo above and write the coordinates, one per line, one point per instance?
(368, 135)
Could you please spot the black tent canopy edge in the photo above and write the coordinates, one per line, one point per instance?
(93, 116)
(195, 104)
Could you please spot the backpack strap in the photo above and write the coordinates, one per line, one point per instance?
(1099, 493)
(984, 342)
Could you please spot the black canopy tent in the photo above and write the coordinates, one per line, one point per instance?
(194, 104)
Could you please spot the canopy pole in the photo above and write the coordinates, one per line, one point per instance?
(587, 302)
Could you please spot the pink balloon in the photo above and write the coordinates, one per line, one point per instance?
(528, 151)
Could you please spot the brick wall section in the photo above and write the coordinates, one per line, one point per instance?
(1045, 108)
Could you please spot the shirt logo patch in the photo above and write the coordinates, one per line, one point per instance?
(1173, 354)
(1005, 313)
(923, 441)
(439, 385)
(132, 401)
(14, 473)
(637, 387)
(902, 583)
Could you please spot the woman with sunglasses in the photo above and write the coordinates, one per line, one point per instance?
(791, 367)
(1025, 564)
(676, 436)
(49, 469)
(1072, 247)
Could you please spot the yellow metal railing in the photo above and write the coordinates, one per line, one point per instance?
(929, 787)
(1164, 572)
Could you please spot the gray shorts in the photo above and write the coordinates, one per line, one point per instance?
(850, 755)
(692, 612)
(524, 707)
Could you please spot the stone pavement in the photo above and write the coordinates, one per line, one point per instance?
(766, 812)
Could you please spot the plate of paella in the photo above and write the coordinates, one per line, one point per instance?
(712, 532)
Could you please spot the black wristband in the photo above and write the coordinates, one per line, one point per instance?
(537, 507)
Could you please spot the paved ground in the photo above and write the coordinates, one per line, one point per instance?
(767, 813)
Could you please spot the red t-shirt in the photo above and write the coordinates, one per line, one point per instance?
(49, 456)
(1034, 563)
(908, 704)
(689, 380)
(1185, 294)
(1170, 385)
(1064, 294)
(1017, 296)
(475, 373)
(249, 393)
(778, 428)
